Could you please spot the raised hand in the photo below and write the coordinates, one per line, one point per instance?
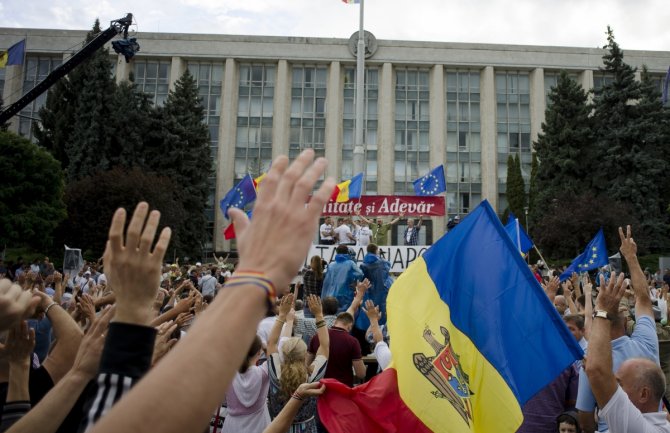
(628, 246)
(20, 344)
(285, 304)
(87, 361)
(611, 293)
(164, 342)
(132, 267)
(372, 311)
(15, 304)
(314, 304)
(281, 217)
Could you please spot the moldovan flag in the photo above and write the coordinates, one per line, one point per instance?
(348, 189)
(14, 55)
(473, 338)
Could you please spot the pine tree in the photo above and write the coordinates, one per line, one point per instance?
(89, 145)
(180, 150)
(516, 189)
(532, 188)
(562, 148)
(626, 113)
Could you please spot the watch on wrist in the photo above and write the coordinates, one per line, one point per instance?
(601, 314)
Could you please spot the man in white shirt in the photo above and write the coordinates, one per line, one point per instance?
(364, 234)
(629, 401)
(326, 232)
(207, 283)
(343, 233)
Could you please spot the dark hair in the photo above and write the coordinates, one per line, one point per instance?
(577, 319)
(569, 417)
(342, 249)
(253, 350)
(329, 305)
(345, 318)
(372, 248)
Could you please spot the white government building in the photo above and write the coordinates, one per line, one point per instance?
(467, 106)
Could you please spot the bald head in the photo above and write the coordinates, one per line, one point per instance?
(643, 381)
(561, 304)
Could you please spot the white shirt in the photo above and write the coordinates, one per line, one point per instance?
(364, 236)
(623, 417)
(208, 285)
(342, 233)
(383, 354)
(408, 238)
(326, 231)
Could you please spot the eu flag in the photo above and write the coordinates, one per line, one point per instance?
(518, 235)
(431, 184)
(242, 194)
(468, 323)
(593, 257)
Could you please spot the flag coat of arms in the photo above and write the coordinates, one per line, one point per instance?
(473, 338)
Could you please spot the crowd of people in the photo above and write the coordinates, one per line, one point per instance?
(131, 343)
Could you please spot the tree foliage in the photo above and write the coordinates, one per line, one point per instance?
(91, 202)
(516, 188)
(31, 198)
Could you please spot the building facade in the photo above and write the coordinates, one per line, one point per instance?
(467, 106)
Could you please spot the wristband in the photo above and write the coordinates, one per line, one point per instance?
(297, 396)
(280, 320)
(320, 324)
(46, 310)
(257, 279)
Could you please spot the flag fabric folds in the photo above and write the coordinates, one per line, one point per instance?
(518, 235)
(593, 257)
(431, 184)
(229, 232)
(468, 322)
(349, 189)
(14, 55)
(242, 194)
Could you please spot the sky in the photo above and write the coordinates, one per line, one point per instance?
(637, 24)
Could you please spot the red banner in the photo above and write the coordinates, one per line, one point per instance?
(381, 205)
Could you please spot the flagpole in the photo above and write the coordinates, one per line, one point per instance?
(540, 254)
(359, 146)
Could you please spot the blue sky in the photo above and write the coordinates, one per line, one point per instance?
(638, 24)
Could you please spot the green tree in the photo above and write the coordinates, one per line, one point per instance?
(516, 188)
(562, 148)
(92, 200)
(532, 188)
(57, 119)
(179, 149)
(31, 199)
(625, 116)
(89, 146)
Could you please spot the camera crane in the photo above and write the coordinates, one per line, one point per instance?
(126, 46)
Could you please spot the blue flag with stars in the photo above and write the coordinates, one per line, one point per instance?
(242, 194)
(593, 257)
(431, 184)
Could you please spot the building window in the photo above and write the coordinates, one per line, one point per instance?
(253, 146)
(36, 70)
(551, 80)
(308, 110)
(463, 167)
(412, 123)
(153, 78)
(513, 123)
(371, 98)
(209, 78)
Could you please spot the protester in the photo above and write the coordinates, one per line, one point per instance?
(290, 370)
(246, 398)
(326, 232)
(411, 235)
(341, 277)
(343, 234)
(380, 229)
(312, 280)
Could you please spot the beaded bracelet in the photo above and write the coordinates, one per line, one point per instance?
(257, 279)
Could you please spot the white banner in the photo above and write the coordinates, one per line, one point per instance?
(400, 257)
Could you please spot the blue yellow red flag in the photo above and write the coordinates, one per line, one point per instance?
(473, 338)
(242, 194)
(593, 257)
(431, 184)
(349, 189)
(14, 55)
